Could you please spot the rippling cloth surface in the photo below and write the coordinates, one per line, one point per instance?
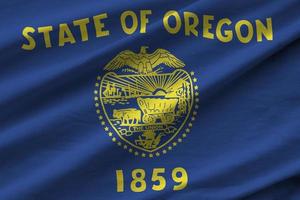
(244, 143)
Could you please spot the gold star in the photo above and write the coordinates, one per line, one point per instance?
(113, 139)
(119, 143)
(103, 122)
(184, 135)
(136, 153)
(157, 154)
(125, 146)
(150, 155)
(179, 140)
(194, 79)
(190, 124)
(110, 134)
(169, 147)
(130, 150)
(96, 98)
(98, 77)
(196, 106)
(174, 144)
(192, 73)
(194, 113)
(97, 84)
(97, 104)
(164, 151)
(98, 111)
(96, 92)
(196, 93)
(196, 87)
(100, 117)
(187, 130)
(106, 128)
(193, 118)
(143, 155)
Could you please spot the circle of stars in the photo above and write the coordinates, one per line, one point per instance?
(157, 153)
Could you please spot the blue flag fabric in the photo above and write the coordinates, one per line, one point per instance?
(149, 100)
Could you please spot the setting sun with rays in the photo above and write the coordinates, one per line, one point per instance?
(131, 86)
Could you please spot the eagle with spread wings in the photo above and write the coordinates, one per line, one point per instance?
(143, 62)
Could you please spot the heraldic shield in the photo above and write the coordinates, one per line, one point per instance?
(145, 102)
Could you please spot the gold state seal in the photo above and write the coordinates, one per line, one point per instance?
(146, 102)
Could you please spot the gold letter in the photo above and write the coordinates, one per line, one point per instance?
(99, 26)
(263, 30)
(65, 30)
(167, 26)
(30, 39)
(190, 27)
(82, 26)
(249, 35)
(227, 37)
(144, 19)
(207, 26)
(46, 32)
(134, 26)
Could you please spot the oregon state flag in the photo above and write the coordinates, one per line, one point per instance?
(149, 100)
